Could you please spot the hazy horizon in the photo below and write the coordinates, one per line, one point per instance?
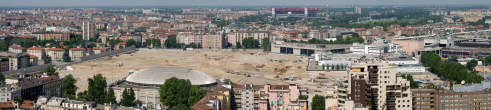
(332, 3)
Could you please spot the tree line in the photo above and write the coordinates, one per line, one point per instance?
(453, 71)
(354, 38)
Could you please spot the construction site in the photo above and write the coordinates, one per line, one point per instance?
(240, 66)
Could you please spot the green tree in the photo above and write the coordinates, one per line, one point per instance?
(432, 60)
(50, 70)
(175, 91)
(96, 90)
(170, 43)
(132, 42)
(179, 92)
(128, 98)
(156, 43)
(412, 83)
(250, 43)
(453, 71)
(318, 102)
(110, 97)
(28, 43)
(66, 56)
(46, 59)
(487, 60)
(195, 94)
(83, 96)
(69, 88)
(238, 45)
(453, 58)
(266, 45)
(471, 64)
(2, 78)
(4, 45)
(303, 97)
(114, 42)
(180, 107)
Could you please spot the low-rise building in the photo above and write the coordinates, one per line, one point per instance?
(17, 49)
(218, 99)
(37, 51)
(375, 48)
(403, 60)
(33, 87)
(9, 92)
(99, 50)
(57, 103)
(56, 54)
(77, 53)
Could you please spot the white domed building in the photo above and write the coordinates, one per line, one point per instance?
(146, 83)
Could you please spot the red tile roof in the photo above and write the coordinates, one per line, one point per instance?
(27, 104)
(77, 49)
(6, 105)
(56, 49)
(35, 48)
(16, 47)
(48, 79)
(32, 56)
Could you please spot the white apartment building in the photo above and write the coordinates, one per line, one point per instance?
(17, 49)
(36, 51)
(77, 53)
(56, 54)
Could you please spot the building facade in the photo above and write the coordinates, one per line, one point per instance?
(215, 41)
(268, 97)
(374, 84)
(461, 97)
(76, 54)
(56, 36)
(37, 51)
(88, 29)
(56, 54)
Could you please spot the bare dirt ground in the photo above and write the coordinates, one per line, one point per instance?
(250, 66)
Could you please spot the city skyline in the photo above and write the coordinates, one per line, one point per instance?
(333, 3)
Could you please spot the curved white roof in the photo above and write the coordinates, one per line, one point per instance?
(158, 75)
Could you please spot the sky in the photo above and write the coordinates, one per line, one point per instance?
(68, 3)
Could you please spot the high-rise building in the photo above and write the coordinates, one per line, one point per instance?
(357, 10)
(374, 85)
(88, 29)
